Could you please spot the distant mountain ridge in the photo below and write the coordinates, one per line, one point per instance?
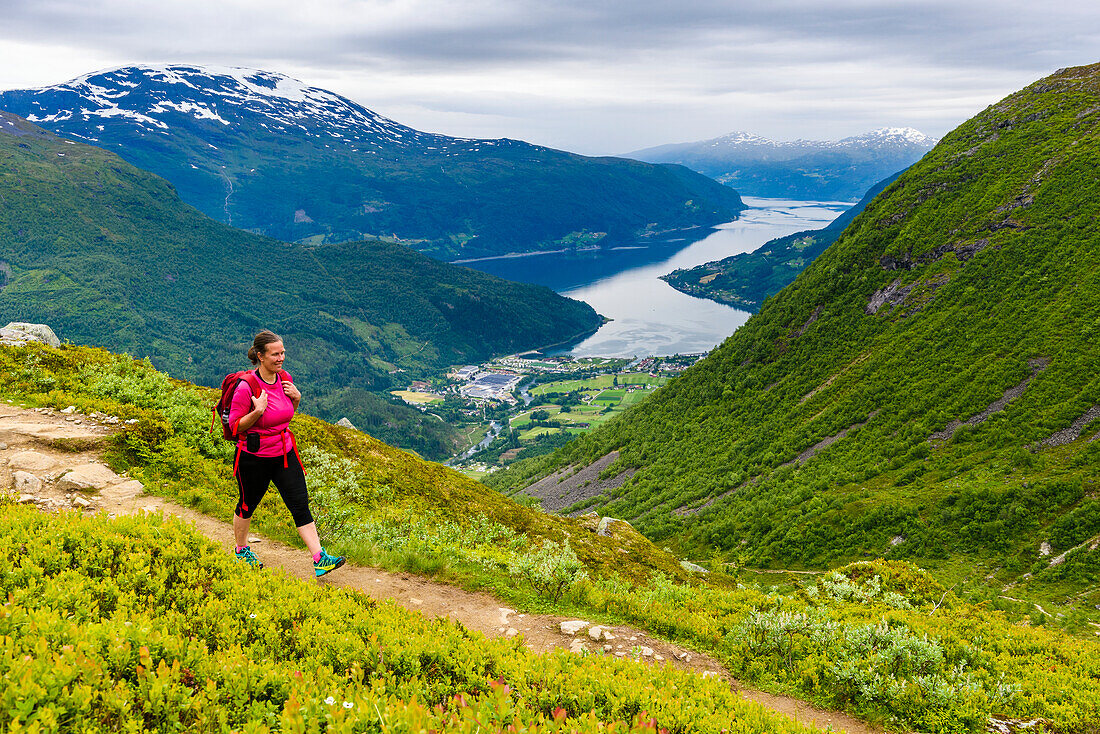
(802, 169)
(264, 152)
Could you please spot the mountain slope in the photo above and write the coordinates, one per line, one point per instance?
(925, 389)
(265, 153)
(747, 279)
(800, 169)
(109, 255)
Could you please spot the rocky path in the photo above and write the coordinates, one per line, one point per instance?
(52, 459)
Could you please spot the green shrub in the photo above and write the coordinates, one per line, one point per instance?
(552, 569)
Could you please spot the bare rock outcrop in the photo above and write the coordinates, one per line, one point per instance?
(19, 333)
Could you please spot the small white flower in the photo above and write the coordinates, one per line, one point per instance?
(252, 616)
(330, 700)
(348, 704)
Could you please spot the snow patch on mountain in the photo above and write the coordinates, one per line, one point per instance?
(161, 96)
(905, 136)
(896, 135)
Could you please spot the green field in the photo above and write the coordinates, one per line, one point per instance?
(564, 386)
(592, 413)
(530, 433)
(610, 396)
(473, 434)
(642, 378)
(599, 382)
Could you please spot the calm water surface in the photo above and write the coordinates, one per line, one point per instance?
(649, 317)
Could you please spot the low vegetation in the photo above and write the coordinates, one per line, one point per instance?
(148, 627)
(138, 624)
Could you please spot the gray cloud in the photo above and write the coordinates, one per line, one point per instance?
(590, 76)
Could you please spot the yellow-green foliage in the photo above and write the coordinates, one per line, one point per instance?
(139, 624)
(882, 640)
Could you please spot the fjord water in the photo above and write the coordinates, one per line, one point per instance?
(650, 317)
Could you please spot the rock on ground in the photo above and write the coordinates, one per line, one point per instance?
(90, 477)
(572, 627)
(30, 461)
(26, 483)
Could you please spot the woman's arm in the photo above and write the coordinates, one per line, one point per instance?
(246, 409)
(259, 405)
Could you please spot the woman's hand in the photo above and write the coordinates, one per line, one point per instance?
(291, 392)
(260, 402)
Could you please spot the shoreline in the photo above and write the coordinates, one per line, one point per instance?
(636, 245)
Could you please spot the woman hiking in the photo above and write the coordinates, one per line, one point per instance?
(263, 404)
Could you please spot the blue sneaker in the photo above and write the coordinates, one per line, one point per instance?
(327, 563)
(247, 556)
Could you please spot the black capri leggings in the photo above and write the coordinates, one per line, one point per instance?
(255, 473)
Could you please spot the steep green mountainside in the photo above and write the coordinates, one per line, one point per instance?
(926, 389)
(107, 254)
(266, 153)
(747, 279)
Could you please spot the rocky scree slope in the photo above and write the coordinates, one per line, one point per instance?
(264, 152)
(926, 389)
(799, 169)
(108, 255)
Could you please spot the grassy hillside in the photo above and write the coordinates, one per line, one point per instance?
(746, 280)
(107, 254)
(926, 389)
(138, 624)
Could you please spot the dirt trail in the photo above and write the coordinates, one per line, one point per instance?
(53, 459)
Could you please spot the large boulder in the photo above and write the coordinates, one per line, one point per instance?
(19, 333)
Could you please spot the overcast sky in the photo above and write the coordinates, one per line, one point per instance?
(585, 75)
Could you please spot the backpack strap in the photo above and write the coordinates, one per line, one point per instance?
(252, 377)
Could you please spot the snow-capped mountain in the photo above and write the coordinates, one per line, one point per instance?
(893, 137)
(265, 152)
(807, 169)
(155, 99)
